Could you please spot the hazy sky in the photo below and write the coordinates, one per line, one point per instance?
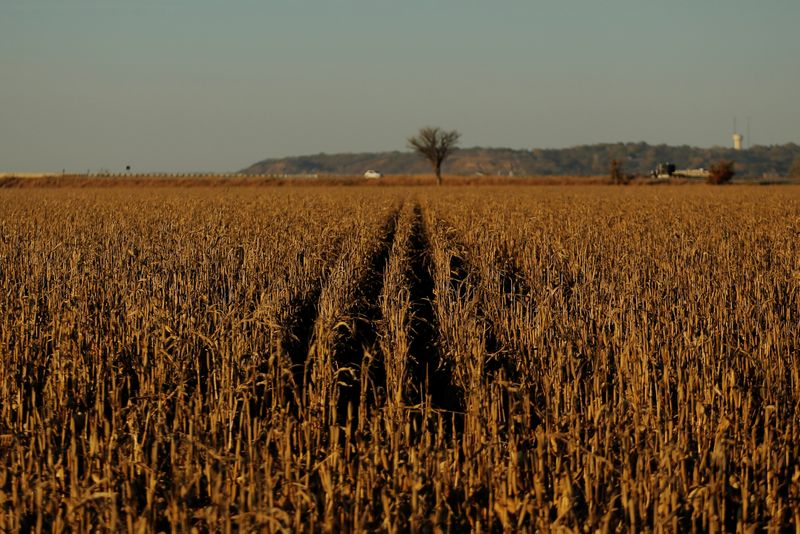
(183, 85)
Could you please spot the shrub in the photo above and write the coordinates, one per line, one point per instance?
(721, 172)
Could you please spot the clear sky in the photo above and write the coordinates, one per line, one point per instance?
(185, 85)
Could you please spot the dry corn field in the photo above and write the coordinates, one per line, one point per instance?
(400, 359)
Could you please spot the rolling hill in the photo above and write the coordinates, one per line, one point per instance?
(588, 160)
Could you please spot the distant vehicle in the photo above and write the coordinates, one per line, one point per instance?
(372, 174)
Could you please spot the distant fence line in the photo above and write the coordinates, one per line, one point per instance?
(154, 175)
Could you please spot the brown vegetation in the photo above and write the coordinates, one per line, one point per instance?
(617, 173)
(359, 359)
(83, 181)
(721, 172)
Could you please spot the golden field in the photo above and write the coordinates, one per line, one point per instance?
(576, 358)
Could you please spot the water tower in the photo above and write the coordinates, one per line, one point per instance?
(738, 138)
(737, 141)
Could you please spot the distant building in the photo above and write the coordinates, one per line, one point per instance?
(663, 170)
(670, 170)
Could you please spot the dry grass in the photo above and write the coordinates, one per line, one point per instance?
(211, 180)
(283, 359)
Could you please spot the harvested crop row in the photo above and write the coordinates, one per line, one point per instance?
(388, 359)
(663, 344)
(141, 348)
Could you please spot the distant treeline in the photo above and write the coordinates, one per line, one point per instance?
(588, 160)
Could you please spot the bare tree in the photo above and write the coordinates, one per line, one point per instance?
(794, 170)
(435, 145)
(617, 173)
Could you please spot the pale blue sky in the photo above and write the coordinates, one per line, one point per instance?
(180, 85)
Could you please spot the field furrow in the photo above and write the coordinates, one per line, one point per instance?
(362, 383)
(431, 375)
